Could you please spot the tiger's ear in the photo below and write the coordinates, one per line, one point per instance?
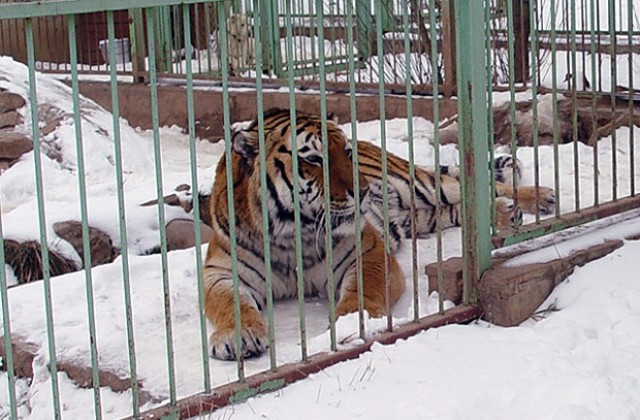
(245, 143)
(332, 117)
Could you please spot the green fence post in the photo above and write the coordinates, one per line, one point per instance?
(138, 51)
(387, 19)
(472, 118)
(270, 37)
(448, 20)
(162, 28)
(365, 27)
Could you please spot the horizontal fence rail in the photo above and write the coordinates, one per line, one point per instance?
(328, 155)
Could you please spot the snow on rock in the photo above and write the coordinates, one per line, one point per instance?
(60, 170)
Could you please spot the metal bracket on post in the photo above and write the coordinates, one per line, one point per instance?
(472, 118)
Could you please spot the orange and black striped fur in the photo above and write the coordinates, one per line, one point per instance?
(280, 204)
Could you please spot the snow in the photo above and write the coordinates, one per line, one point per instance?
(576, 363)
(579, 362)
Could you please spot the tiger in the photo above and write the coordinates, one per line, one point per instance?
(245, 168)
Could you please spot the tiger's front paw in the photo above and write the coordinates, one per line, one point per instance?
(544, 201)
(507, 214)
(254, 342)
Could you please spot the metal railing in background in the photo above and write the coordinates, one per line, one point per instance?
(502, 60)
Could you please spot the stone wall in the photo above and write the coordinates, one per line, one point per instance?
(135, 105)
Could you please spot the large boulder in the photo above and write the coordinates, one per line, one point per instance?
(181, 234)
(100, 244)
(10, 119)
(10, 102)
(14, 144)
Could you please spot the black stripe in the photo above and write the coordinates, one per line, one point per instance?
(281, 168)
(282, 212)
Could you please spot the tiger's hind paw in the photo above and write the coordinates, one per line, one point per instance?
(254, 342)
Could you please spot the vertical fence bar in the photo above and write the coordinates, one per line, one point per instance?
(208, 30)
(325, 175)
(512, 104)
(554, 96)
(534, 97)
(296, 187)
(594, 122)
(195, 194)
(383, 146)
(472, 114)
(222, 43)
(95, 372)
(7, 362)
(356, 170)
(412, 169)
(632, 150)
(614, 70)
(574, 106)
(490, 138)
(136, 33)
(46, 272)
(436, 151)
(157, 154)
(597, 17)
(266, 240)
(122, 219)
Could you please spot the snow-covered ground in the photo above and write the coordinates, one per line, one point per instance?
(578, 361)
(467, 361)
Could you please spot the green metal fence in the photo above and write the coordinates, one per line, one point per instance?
(142, 319)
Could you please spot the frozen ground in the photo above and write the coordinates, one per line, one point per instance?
(477, 356)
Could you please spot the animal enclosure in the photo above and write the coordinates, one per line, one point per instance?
(544, 139)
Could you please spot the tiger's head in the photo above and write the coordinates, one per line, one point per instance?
(279, 167)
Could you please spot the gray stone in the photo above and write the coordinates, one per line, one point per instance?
(14, 144)
(5, 164)
(10, 119)
(181, 234)
(510, 295)
(101, 247)
(10, 102)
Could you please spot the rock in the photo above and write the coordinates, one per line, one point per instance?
(451, 279)
(448, 136)
(169, 200)
(100, 244)
(510, 295)
(10, 119)
(181, 234)
(10, 102)
(14, 144)
(50, 118)
(5, 164)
